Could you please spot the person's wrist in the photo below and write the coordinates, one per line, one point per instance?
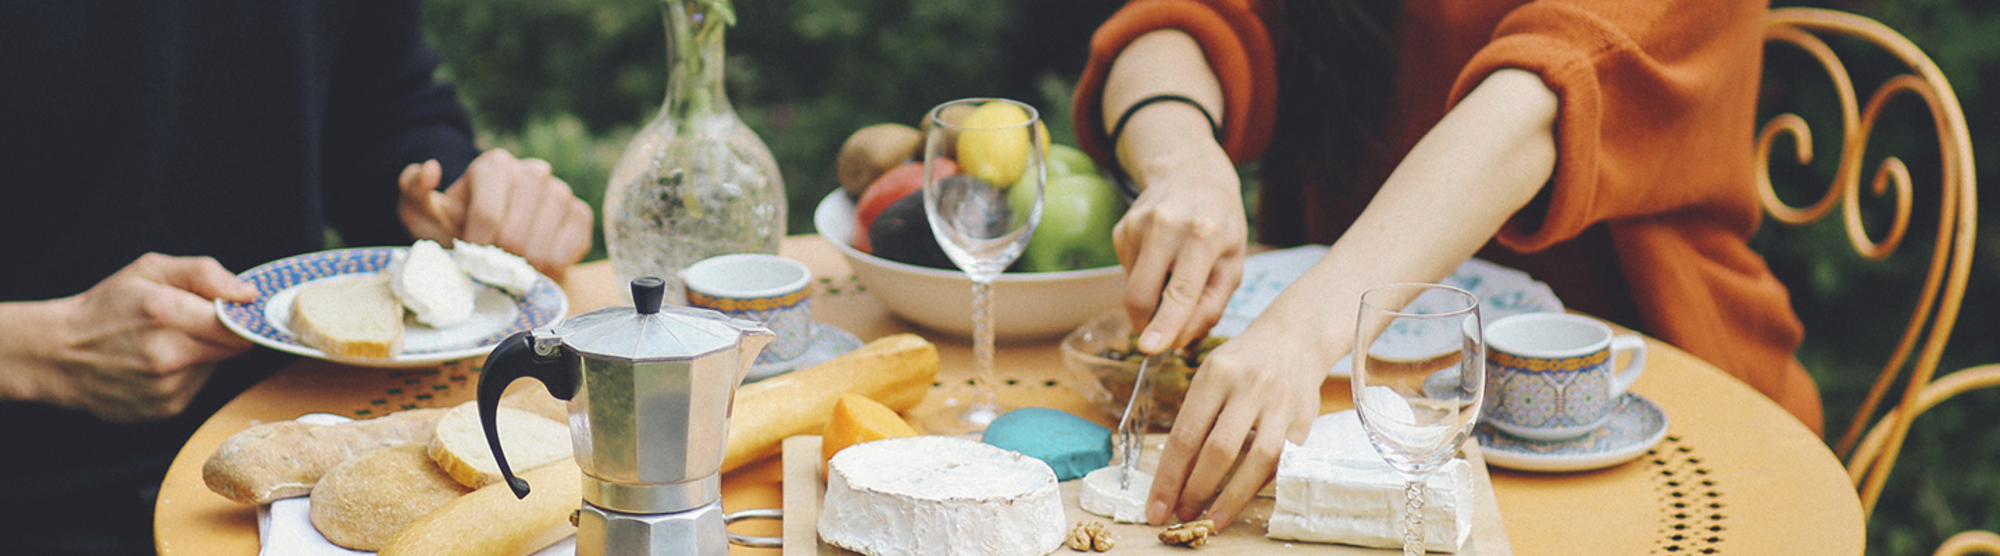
(30, 329)
(1166, 141)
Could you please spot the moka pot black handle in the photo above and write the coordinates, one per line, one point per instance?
(515, 358)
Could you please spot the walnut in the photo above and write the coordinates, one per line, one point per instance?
(1088, 536)
(1192, 534)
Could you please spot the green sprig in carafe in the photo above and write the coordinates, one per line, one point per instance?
(695, 182)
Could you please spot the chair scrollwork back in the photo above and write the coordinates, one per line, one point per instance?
(1871, 445)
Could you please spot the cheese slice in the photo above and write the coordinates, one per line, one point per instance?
(940, 495)
(857, 419)
(1336, 489)
(1101, 494)
(427, 282)
(495, 266)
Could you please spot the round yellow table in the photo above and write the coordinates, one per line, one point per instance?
(1736, 474)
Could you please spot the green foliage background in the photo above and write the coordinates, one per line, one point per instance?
(569, 81)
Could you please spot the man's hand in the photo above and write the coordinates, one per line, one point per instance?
(135, 347)
(514, 204)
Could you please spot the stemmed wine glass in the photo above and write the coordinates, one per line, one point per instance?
(983, 176)
(1419, 374)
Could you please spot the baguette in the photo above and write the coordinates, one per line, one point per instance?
(491, 522)
(896, 370)
(285, 459)
(356, 317)
(363, 502)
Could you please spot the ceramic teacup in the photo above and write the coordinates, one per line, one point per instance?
(1553, 376)
(768, 289)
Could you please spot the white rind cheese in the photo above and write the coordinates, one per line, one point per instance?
(1336, 489)
(495, 266)
(430, 284)
(1100, 494)
(939, 495)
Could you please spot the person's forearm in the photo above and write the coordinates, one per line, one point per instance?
(1485, 160)
(23, 362)
(1159, 135)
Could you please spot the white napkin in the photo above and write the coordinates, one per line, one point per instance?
(284, 527)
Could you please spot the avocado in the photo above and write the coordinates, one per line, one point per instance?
(902, 233)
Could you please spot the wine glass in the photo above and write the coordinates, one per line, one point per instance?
(983, 176)
(1419, 374)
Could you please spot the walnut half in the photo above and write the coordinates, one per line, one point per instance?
(1192, 534)
(1088, 536)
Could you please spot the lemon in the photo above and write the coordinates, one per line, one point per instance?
(994, 145)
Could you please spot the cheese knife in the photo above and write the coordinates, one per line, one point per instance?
(1138, 414)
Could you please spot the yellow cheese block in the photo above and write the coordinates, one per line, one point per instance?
(857, 419)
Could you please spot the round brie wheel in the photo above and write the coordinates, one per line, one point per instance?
(940, 495)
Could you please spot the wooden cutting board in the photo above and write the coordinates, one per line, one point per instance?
(804, 489)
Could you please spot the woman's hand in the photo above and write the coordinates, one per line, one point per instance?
(1253, 393)
(135, 347)
(1182, 244)
(514, 204)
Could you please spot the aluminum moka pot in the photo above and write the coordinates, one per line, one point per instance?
(649, 393)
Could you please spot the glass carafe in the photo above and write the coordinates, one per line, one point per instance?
(695, 182)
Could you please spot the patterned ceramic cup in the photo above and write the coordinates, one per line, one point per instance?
(1552, 376)
(768, 289)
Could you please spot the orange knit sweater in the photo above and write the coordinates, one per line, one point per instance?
(1647, 219)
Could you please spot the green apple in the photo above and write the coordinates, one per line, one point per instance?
(1078, 213)
(1065, 160)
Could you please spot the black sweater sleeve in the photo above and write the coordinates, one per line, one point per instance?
(385, 112)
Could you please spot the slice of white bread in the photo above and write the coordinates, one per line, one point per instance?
(428, 282)
(530, 440)
(354, 317)
(362, 503)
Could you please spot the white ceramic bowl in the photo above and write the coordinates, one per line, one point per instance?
(1028, 306)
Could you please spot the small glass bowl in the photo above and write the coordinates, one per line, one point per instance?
(1107, 382)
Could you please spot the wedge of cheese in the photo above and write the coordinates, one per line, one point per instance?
(940, 495)
(1336, 489)
(857, 419)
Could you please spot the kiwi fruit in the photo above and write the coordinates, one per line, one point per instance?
(875, 149)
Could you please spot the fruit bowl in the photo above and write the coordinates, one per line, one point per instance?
(1107, 381)
(1029, 306)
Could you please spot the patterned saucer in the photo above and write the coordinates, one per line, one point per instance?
(496, 314)
(828, 342)
(1635, 427)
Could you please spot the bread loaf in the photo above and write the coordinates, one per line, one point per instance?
(354, 317)
(365, 501)
(895, 370)
(531, 441)
(285, 459)
(491, 522)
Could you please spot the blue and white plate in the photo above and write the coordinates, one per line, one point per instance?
(496, 314)
(828, 341)
(1634, 428)
(1502, 291)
